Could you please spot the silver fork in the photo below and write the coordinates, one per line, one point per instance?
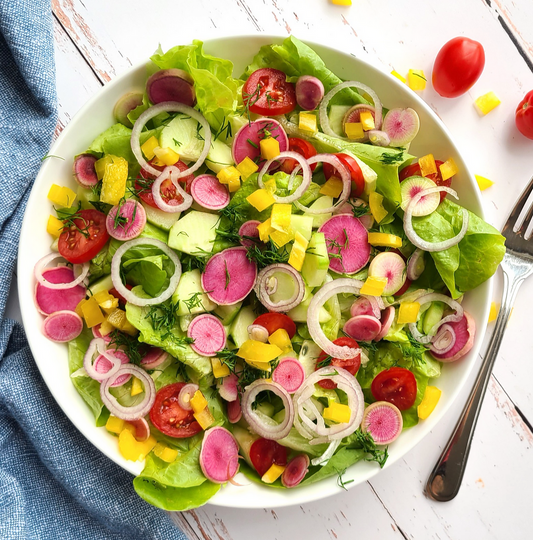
(445, 480)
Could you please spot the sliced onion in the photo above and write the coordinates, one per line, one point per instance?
(136, 411)
(378, 138)
(419, 242)
(376, 305)
(81, 269)
(258, 333)
(185, 395)
(172, 173)
(263, 282)
(99, 345)
(327, 455)
(169, 106)
(267, 431)
(337, 286)
(126, 293)
(444, 340)
(323, 110)
(415, 265)
(306, 172)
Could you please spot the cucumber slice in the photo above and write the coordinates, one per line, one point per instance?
(85, 196)
(219, 156)
(228, 313)
(54, 246)
(322, 202)
(316, 262)
(163, 220)
(192, 298)
(102, 284)
(239, 328)
(266, 408)
(184, 137)
(336, 117)
(151, 231)
(245, 440)
(308, 356)
(299, 313)
(194, 233)
(433, 316)
(185, 321)
(303, 225)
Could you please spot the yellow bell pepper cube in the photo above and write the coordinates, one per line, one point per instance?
(54, 226)
(367, 120)
(375, 201)
(114, 181)
(102, 296)
(228, 174)
(337, 412)
(384, 240)
(118, 319)
(92, 313)
(270, 186)
(261, 199)
(427, 165)
(204, 418)
(408, 312)
(486, 103)
(256, 351)
(281, 238)
(280, 338)
(165, 453)
(136, 387)
(78, 309)
(429, 402)
(416, 79)
(307, 122)
(62, 196)
(298, 251)
(275, 471)
(106, 328)
(149, 146)
(280, 218)
(261, 366)
(220, 370)
(374, 286)
(483, 182)
(333, 187)
(109, 305)
(234, 184)
(247, 167)
(114, 424)
(448, 169)
(131, 428)
(131, 448)
(269, 148)
(198, 402)
(398, 76)
(354, 130)
(494, 310)
(265, 229)
(166, 155)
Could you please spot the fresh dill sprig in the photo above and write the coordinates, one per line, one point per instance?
(269, 255)
(389, 158)
(101, 206)
(71, 220)
(51, 155)
(413, 350)
(250, 99)
(195, 300)
(97, 189)
(325, 362)
(176, 142)
(164, 316)
(191, 262)
(358, 210)
(227, 275)
(251, 143)
(340, 482)
(129, 344)
(246, 374)
(366, 442)
(225, 127)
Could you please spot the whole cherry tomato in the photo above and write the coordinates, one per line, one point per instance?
(268, 93)
(524, 116)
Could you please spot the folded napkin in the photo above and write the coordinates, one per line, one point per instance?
(53, 482)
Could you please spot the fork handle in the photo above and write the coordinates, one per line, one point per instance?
(445, 480)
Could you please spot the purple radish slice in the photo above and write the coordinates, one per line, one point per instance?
(142, 429)
(209, 193)
(249, 228)
(391, 266)
(366, 305)
(234, 411)
(415, 265)
(208, 333)
(465, 332)
(97, 334)
(290, 374)
(383, 421)
(62, 326)
(186, 394)
(353, 115)
(229, 276)
(103, 365)
(387, 318)
(219, 455)
(227, 388)
(401, 125)
(295, 471)
(171, 85)
(362, 327)
(444, 340)
(413, 186)
(378, 138)
(126, 221)
(125, 105)
(309, 92)
(348, 208)
(247, 140)
(49, 300)
(84, 171)
(347, 241)
(153, 358)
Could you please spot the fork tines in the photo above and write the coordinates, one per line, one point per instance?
(525, 212)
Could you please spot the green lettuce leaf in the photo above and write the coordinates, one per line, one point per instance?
(341, 460)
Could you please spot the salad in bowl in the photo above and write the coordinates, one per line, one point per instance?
(255, 274)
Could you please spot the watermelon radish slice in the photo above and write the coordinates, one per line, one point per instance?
(126, 221)
(219, 455)
(171, 85)
(290, 374)
(209, 193)
(142, 428)
(365, 305)
(228, 387)
(295, 471)
(103, 365)
(229, 276)
(353, 115)
(465, 332)
(309, 92)
(153, 358)
(348, 208)
(383, 421)
(125, 105)
(412, 186)
(234, 411)
(49, 300)
(84, 171)
(249, 228)
(347, 243)
(387, 318)
(362, 327)
(208, 334)
(401, 125)
(62, 326)
(391, 266)
(97, 334)
(247, 140)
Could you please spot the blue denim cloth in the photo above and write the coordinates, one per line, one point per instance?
(53, 482)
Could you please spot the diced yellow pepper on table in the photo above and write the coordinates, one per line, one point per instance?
(62, 196)
(429, 402)
(92, 313)
(166, 155)
(114, 181)
(448, 169)
(398, 76)
(375, 201)
(265, 229)
(337, 412)
(220, 370)
(247, 167)
(416, 79)
(354, 130)
(261, 199)
(165, 453)
(367, 121)
(204, 418)
(280, 218)
(374, 286)
(226, 175)
(198, 402)
(257, 351)
(131, 448)
(54, 226)
(136, 387)
(408, 312)
(384, 240)
(333, 187)
(269, 148)
(486, 103)
(483, 182)
(274, 472)
(118, 319)
(297, 255)
(494, 310)
(149, 146)
(427, 165)
(114, 424)
(280, 338)
(307, 122)
(281, 238)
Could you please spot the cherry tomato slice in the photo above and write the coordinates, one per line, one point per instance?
(169, 418)
(302, 147)
(84, 239)
(267, 92)
(524, 116)
(351, 365)
(275, 321)
(264, 453)
(395, 385)
(358, 180)
(414, 170)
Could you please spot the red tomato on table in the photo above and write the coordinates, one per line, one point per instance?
(355, 172)
(524, 116)
(267, 92)
(414, 170)
(395, 385)
(351, 365)
(302, 147)
(275, 321)
(264, 453)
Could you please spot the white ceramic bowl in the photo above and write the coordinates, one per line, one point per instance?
(95, 117)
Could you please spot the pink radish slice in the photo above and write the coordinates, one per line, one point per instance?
(465, 332)
(228, 387)
(401, 125)
(62, 326)
(97, 334)
(387, 317)
(383, 421)
(103, 365)
(365, 305)
(208, 334)
(415, 265)
(295, 471)
(84, 171)
(208, 192)
(153, 358)
(50, 300)
(219, 455)
(125, 105)
(389, 265)
(346, 236)
(290, 374)
(130, 222)
(247, 141)
(362, 327)
(347, 208)
(309, 92)
(234, 411)
(229, 276)
(142, 429)
(249, 228)
(171, 85)
(353, 115)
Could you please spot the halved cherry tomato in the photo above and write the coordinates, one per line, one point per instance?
(169, 418)
(268, 93)
(414, 170)
(358, 180)
(264, 453)
(275, 321)
(302, 147)
(351, 365)
(395, 385)
(524, 116)
(84, 239)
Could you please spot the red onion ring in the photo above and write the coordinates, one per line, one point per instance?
(444, 340)
(263, 282)
(172, 173)
(415, 265)
(41, 265)
(185, 395)
(99, 345)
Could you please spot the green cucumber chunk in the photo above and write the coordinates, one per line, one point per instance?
(227, 314)
(102, 284)
(191, 296)
(433, 316)
(320, 204)
(184, 137)
(219, 156)
(239, 327)
(303, 225)
(163, 220)
(194, 233)
(316, 262)
(336, 118)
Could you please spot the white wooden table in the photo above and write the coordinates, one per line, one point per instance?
(97, 39)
